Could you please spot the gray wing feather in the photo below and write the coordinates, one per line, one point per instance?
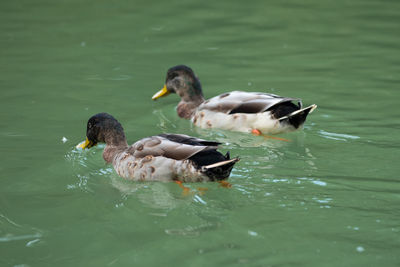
(244, 102)
(161, 146)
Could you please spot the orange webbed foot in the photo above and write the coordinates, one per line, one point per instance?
(225, 184)
(259, 133)
(186, 190)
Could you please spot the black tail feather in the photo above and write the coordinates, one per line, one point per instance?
(205, 161)
(221, 172)
(298, 117)
(283, 109)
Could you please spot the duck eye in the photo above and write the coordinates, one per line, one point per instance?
(177, 82)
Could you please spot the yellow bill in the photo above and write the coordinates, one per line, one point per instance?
(85, 144)
(163, 92)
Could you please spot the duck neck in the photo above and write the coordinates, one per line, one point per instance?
(187, 109)
(191, 91)
(115, 144)
(190, 100)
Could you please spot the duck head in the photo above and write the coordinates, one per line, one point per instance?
(182, 81)
(103, 128)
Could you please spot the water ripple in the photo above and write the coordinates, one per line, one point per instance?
(12, 231)
(337, 136)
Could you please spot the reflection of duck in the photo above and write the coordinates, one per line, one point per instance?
(237, 140)
(165, 157)
(155, 195)
(236, 111)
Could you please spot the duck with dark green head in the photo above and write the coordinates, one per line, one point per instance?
(164, 157)
(237, 111)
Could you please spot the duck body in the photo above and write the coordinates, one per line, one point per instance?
(152, 168)
(246, 111)
(237, 110)
(165, 157)
(172, 157)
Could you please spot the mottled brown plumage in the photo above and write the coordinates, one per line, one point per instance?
(165, 157)
(268, 113)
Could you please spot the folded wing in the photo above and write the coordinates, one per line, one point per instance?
(245, 102)
(174, 146)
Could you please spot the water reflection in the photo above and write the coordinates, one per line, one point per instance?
(159, 195)
(244, 140)
(185, 214)
(154, 195)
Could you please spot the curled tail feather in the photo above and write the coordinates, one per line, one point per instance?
(297, 118)
(219, 170)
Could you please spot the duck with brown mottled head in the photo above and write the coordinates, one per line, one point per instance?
(165, 157)
(237, 111)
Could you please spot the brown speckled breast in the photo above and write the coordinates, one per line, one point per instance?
(151, 168)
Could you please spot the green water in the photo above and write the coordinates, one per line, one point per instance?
(330, 197)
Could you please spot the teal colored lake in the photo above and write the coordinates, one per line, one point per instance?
(328, 197)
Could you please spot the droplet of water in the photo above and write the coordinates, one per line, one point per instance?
(360, 249)
(252, 233)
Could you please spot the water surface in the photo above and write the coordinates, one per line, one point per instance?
(329, 197)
